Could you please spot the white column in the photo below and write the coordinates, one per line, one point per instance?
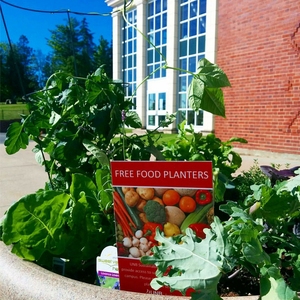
(172, 59)
(210, 51)
(117, 45)
(141, 95)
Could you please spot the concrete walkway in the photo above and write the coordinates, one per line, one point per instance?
(20, 174)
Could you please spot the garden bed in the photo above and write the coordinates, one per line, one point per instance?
(20, 280)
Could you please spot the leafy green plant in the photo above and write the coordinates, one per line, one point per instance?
(246, 179)
(258, 239)
(78, 126)
(193, 146)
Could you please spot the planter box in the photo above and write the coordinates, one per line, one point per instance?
(23, 280)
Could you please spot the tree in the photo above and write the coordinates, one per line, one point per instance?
(74, 51)
(18, 76)
(65, 44)
(103, 56)
(39, 63)
(87, 49)
(73, 48)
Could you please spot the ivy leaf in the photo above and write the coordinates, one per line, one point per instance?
(16, 139)
(194, 263)
(208, 99)
(34, 224)
(133, 120)
(211, 74)
(205, 89)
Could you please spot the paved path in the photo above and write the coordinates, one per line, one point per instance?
(20, 174)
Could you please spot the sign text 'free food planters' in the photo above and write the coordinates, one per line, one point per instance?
(169, 195)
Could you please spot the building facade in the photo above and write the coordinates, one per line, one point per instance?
(256, 44)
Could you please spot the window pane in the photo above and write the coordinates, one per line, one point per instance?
(183, 48)
(193, 27)
(193, 9)
(164, 36)
(162, 101)
(151, 120)
(150, 56)
(165, 3)
(158, 6)
(130, 61)
(183, 64)
(202, 25)
(150, 70)
(164, 51)
(151, 8)
(157, 22)
(157, 57)
(151, 24)
(129, 75)
(183, 30)
(182, 100)
(161, 119)
(157, 73)
(199, 118)
(157, 38)
(182, 83)
(191, 117)
(192, 64)
(130, 32)
(184, 13)
(151, 102)
(182, 116)
(192, 46)
(201, 44)
(151, 39)
(164, 20)
(202, 6)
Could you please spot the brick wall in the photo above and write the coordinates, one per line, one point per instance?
(259, 50)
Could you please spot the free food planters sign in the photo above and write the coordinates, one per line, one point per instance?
(148, 195)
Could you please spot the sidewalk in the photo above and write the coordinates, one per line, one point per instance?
(21, 175)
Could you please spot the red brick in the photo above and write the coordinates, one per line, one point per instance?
(258, 50)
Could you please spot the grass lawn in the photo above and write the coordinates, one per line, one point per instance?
(12, 111)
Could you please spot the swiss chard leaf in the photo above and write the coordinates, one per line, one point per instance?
(34, 224)
(16, 139)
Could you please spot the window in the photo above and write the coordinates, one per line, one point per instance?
(129, 56)
(191, 49)
(157, 34)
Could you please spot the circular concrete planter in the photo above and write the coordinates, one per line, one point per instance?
(23, 280)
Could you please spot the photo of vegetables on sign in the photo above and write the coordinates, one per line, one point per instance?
(150, 196)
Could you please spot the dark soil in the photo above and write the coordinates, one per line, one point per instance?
(243, 284)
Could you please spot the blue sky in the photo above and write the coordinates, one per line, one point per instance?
(35, 26)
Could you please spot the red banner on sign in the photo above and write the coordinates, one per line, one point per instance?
(181, 174)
